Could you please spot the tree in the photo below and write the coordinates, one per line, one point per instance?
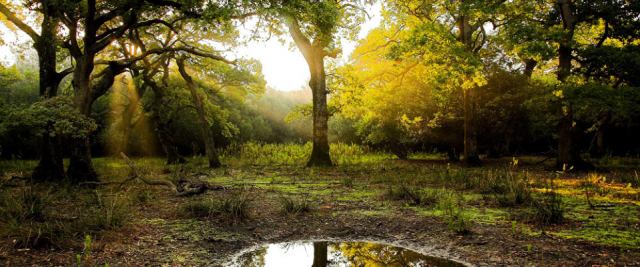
(460, 25)
(565, 26)
(100, 24)
(213, 75)
(314, 26)
(46, 45)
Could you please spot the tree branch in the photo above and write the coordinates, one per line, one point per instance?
(21, 25)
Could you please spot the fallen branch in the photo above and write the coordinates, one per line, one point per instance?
(120, 184)
(188, 191)
(548, 158)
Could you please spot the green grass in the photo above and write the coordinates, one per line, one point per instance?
(458, 197)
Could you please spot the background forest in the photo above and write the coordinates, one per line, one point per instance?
(402, 90)
(505, 132)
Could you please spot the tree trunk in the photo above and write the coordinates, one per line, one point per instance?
(127, 116)
(529, 67)
(320, 153)
(50, 167)
(568, 156)
(314, 55)
(168, 145)
(80, 165)
(320, 257)
(214, 161)
(600, 151)
(471, 156)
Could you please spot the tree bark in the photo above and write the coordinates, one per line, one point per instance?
(471, 155)
(568, 155)
(320, 153)
(314, 55)
(600, 151)
(50, 167)
(529, 67)
(212, 155)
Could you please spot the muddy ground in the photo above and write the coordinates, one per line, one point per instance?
(161, 233)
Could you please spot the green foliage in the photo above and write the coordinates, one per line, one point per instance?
(58, 113)
(86, 255)
(295, 154)
(8, 77)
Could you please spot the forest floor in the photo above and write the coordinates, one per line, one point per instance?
(140, 225)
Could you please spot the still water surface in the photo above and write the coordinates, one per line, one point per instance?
(328, 254)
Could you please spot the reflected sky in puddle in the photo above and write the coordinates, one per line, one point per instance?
(328, 254)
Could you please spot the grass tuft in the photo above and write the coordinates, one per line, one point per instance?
(292, 205)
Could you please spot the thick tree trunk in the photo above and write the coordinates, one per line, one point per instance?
(212, 155)
(471, 155)
(320, 254)
(568, 156)
(80, 165)
(168, 145)
(320, 153)
(50, 167)
(314, 55)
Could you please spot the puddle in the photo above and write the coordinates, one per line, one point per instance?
(331, 254)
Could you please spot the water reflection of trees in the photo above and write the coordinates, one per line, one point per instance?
(353, 254)
(374, 255)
